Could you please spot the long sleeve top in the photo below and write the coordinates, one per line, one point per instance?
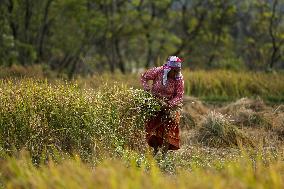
(172, 92)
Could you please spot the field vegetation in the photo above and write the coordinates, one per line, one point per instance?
(58, 134)
(215, 86)
(72, 108)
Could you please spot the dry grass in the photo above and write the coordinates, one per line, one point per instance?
(217, 130)
(279, 128)
(193, 111)
(260, 122)
(250, 113)
(255, 105)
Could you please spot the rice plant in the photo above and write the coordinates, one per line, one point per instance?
(213, 86)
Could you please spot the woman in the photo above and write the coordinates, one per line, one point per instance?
(162, 130)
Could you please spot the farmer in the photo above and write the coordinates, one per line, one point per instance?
(162, 129)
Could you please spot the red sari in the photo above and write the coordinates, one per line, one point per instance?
(161, 128)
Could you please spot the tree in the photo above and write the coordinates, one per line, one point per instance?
(276, 34)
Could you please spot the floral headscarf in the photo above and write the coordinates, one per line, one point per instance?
(172, 62)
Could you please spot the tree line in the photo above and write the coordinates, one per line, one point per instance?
(83, 36)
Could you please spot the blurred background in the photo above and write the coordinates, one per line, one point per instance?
(83, 37)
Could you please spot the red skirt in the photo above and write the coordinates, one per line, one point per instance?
(160, 129)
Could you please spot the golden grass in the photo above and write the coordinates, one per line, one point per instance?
(101, 125)
(217, 130)
(214, 85)
(247, 171)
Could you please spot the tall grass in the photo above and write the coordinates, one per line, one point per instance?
(216, 85)
(221, 84)
(43, 118)
(260, 171)
(80, 137)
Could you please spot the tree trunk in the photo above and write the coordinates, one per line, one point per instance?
(149, 51)
(13, 25)
(44, 30)
(119, 56)
(272, 35)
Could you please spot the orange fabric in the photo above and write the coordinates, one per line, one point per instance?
(160, 130)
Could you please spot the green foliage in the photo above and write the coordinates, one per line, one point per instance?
(79, 136)
(84, 36)
(8, 53)
(248, 171)
(229, 64)
(42, 117)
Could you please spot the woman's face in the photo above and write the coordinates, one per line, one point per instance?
(173, 73)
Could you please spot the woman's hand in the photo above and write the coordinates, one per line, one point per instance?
(164, 105)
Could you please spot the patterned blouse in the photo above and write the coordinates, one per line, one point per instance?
(172, 91)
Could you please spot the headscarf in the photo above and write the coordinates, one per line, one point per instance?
(172, 62)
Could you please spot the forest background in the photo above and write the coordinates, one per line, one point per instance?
(88, 36)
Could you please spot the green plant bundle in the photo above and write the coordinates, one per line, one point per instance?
(43, 118)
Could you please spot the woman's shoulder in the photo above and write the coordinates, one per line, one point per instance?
(156, 70)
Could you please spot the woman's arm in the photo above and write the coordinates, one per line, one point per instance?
(150, 74)
(178, 98)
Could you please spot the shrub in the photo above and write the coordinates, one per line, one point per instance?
(43, 118)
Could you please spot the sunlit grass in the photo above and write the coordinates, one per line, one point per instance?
(79, 136)
(42, 118)
(213, 85)
(216, 85)
(246, 171)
